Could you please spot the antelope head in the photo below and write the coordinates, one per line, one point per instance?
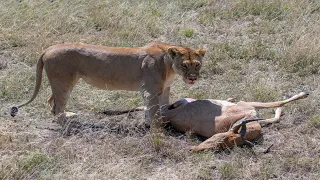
(227, 139)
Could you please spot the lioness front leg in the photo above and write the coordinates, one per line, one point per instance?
(164, 97)
(152, 113)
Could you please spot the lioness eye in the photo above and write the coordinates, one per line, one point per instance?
(197, 64)
(184, 66)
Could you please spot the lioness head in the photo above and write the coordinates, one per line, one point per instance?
(187, 62)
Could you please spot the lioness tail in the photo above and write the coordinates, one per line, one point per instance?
(118, 112)
(14, 110)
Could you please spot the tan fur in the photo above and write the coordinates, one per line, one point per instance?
(149, 69)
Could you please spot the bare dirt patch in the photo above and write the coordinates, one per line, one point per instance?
(5, 59)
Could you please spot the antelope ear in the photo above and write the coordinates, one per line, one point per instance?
(174, 52)
(236, 128)
(201, 51)
(243, 126)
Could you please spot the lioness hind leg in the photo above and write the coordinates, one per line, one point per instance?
(59, 103)
(51, 103)
(61, 88)
(60, 99)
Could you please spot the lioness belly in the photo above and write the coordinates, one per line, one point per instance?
(110, 85)
(111, 71)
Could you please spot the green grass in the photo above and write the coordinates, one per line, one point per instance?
(228, 171)
(263, 93)
(315, 121)
(188, 33)
(30, 165)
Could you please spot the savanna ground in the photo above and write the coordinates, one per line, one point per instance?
(261, 50)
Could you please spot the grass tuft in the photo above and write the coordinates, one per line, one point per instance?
(263, 93)
(188, 32)
(315, 121)
(28, 166)
(228, 171)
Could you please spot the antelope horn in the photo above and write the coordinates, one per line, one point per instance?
(248, 143)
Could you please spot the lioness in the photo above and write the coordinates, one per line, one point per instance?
(150, 69)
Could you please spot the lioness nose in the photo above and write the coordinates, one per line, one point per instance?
(192, 78)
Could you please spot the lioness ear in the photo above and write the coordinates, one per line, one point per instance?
(201, 52)
(174, 52)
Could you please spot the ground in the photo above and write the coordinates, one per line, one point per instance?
(257, 50)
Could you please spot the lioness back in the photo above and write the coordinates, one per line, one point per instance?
(103, 67)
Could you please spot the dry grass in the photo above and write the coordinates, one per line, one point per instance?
(258, 50)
